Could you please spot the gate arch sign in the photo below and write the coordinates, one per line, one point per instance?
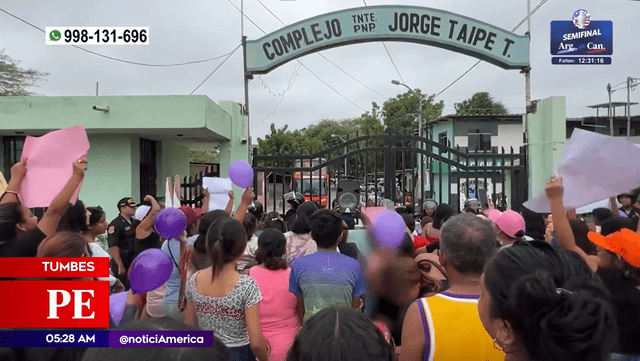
(411, 24)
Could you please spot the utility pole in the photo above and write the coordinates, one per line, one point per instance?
(610, 113)
(631, 84)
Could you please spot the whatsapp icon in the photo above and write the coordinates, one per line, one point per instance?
(55, 35)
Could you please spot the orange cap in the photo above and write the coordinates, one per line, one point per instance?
(624, 243)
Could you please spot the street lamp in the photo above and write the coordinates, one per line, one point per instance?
(345, 152)
(420, 175)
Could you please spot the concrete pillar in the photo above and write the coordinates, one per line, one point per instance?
(237, 148)
(547, 134)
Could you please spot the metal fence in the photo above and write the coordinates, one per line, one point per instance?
(386, 166)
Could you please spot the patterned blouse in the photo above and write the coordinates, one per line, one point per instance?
(299, 245)
(225, 315)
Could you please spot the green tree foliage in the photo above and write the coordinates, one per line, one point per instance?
(401, 112)
(203, 156)
(13, 79)
(479, 104)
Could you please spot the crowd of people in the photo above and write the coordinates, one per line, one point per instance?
(487, 284)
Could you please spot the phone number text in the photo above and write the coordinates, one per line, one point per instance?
(97, 36)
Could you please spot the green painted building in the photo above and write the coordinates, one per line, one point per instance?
(136, 141)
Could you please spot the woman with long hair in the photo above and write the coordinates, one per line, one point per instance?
(278, 309)
(97, 226)
(221, 300)
(431, 231)
(20, 230)
(299, 241)
(539, 303)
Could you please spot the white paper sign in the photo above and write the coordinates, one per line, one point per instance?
(218, 190)
(589, 208)
(595, 167)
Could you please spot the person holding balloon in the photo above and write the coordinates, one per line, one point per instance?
(171, 224)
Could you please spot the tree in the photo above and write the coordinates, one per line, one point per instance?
(13, 79)
(401, 112)
(481, 103)
(203, 156)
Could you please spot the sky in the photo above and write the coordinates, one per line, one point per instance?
(191, 30)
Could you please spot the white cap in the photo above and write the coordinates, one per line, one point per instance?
(142, 212)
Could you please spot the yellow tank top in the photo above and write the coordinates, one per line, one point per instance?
(453, 330)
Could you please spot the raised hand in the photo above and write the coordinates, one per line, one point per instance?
(18, 170)
(554, 188)
(80, 166)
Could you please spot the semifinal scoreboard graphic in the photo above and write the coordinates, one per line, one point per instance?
(581, 37)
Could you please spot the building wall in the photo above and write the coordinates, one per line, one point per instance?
(509, 135)
(112, 172)
(172, 159)
(125, 112)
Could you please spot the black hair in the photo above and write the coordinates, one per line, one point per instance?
(349, 220)
(74, 219)
(441, 215)
(534, 224)
(554, 303)
(200, 244)
(411, 209)
(409, 221)
(273, 220)
(406, 247)
(326, 228)
(601, 214)
(469, 210)
(226, 241)
(250, 224)
(615, 224)
(468, 242)
(339, 334)
(301, 224)
(10, 216)
(219, 352)
(96, 215)
(272, 246)
(580, 230)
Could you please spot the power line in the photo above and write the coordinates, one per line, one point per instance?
(479, 61)
(304, 66)
(388, 53)
(116, 59)
(320, 54)
(216, 69)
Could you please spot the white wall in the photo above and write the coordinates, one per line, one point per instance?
(509, 135)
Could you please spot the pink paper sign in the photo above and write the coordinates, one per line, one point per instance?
(49, 164)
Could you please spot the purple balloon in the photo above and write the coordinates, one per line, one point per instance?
(388, 229)
(149, 270)
(170, 223)
(241, 174)
(117, 304)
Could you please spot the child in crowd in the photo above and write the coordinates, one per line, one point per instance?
(278, 309)
(222, 300)
(340, 334)
(326, 278)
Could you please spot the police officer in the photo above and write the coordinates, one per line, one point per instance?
(121, 239)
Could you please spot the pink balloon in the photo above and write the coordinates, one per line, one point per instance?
(388, 229)
(241, 174)
(117, 304)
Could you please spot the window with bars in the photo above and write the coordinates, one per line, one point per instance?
(147, 168)
(479, 142)
(12, 153)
